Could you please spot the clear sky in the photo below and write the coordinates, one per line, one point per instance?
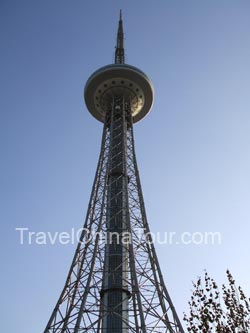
(192, 150)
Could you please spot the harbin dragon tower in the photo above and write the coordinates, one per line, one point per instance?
(115, 284)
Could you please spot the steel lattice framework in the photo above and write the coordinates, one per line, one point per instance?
(115, 284)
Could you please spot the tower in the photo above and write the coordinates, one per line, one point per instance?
(115, 283)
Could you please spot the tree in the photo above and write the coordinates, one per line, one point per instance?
(215, 311)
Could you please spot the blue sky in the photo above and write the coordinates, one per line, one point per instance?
(192, 150)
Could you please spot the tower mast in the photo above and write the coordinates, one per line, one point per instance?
(115, 284)
(119, 50)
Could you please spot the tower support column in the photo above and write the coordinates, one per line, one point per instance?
(115, 292)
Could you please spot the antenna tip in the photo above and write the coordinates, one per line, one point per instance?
(120, 14)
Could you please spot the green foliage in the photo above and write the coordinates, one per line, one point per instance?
(215, 311)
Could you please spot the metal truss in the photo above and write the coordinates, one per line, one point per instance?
(115, 284)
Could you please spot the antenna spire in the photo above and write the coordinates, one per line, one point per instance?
(119, 49)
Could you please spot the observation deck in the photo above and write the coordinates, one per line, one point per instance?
(119, 80)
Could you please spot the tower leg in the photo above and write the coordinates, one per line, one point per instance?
(115, 284)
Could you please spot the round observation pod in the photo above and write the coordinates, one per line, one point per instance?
(119, 80)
